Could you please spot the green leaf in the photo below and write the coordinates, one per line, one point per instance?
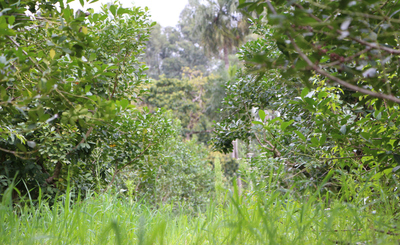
(257, 122)
(92, 57)
(110, 74)
(284, 125)
(322, 140)
(11, 19)
(243, 5)
(301, 136)
(327, 178)
(314, 141)
(261, 113)
(124, 103)
(322, 94)
(304, 92)
(21, 147)
(113, 10)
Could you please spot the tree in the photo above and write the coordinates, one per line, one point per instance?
(220, 26)
(66, 79)
(169, 51)
(335, 45)
(324, 81)
(155, 51)
(187, 98)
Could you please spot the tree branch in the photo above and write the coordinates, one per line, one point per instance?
(371, 45)
(276, 152)
(349, 157)
(56, 174)
(23, 51)
(83, 139)
(338, 80)
(115, 86)
(338, 62)
(17, 154)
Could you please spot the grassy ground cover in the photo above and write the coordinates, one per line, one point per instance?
(257, 217)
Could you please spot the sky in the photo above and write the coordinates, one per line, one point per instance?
(165, 12)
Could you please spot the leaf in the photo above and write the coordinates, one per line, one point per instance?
(343, 129)
(111, 74)
(113, 9)
(124, 103)
(301, 136)
(82, 2)
(243, 5)
(84, 30)
(261, 113)
(304, 92)
(52, 53)
(11, 20)
(314, 141)
(21, 147)
(326, 179)
(322, 140)
(257, 122)
(92, 57)
(87, 88)
(284, 125)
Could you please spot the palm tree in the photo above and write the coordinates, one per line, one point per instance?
(220, 26)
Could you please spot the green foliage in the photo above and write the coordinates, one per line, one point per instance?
(65, 77)
(189, 99)
(257, 217)
(337, 112)
(350, 44)
(178, 173)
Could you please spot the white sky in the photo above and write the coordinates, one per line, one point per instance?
(165, 12)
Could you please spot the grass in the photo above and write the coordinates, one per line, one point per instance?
(257, 217)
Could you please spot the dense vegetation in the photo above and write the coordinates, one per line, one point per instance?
(117, 130)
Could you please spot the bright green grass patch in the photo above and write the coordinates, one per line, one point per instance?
(253, 218)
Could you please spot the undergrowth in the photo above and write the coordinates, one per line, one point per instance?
(260, 216)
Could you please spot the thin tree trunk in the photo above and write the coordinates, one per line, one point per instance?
(226, 59)
(56, 174)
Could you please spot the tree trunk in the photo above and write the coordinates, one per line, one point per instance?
(226, 59)
(56, 174)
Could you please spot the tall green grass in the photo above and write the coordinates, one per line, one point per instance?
(258, 217)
